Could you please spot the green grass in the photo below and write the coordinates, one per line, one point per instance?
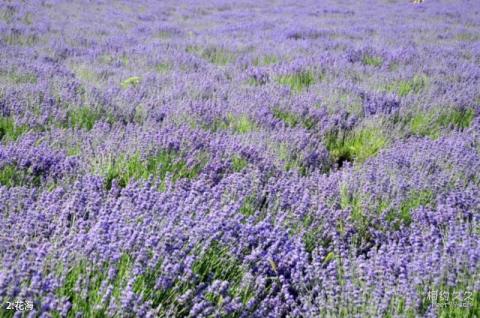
(372, 60)
(217, 56)
(359, 215)
(357, 145)
(82, 118)
(238, 163)
(85, 74)
(7, 14)
(165, 162)
(18, 78)
(253, 203)
(249, 206)
(131, 82)
(83, 281)
(290, 159)
(12, 176)
(311, 239)
(460, 119)
(9, 130)
(163, 68)
(293, 120)
(297, 81)
(214, 55)
(163, 35)
(214, 263)
(403, 216)
(288, 118)
(240, 124)
(87, 301)
(351, 201)
(16, 38)
(467, 37)
(265, 60)
(217, 263)
(405, 87)
(257, 82)
(431, 123)
(82, 286)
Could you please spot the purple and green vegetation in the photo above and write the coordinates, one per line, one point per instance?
(240, 159)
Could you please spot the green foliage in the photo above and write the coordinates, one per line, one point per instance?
(214, 55)
(12, 176)
(265, 60)
(9, 130)
(14, 77)
(17, 38)
(351, 201)
(311, 234)
(158, 166)
(163, 68)
(403, 216)
(372, 60)
(242, 124)
(82, 286)
(85, 74)
(105, 58)
(217, 56)
(239, 124)
(7, 14)
(238, 163)
(460, 119)
(420, 124)
(145, 286)
(73, 150)
(289, 118)
(214, 263)
(83, 282)
(163, 35)
(292, 120)
(467, 37)
(249, 206)
(82, 118)
(357, 145)
(255, 82)
(217, 263)
(291, 159)
(330, 256)
(431, 123)
(123, 272)
(406, 87)
(131, 82)
(311, 239)
(359, 218)
(297, 81)
(393, 66)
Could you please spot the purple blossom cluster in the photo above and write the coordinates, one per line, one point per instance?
(211, 159)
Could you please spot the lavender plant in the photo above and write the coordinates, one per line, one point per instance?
(205, 159)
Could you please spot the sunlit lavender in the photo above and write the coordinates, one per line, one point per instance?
(240, 159)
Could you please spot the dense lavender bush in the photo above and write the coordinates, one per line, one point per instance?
(211, 159)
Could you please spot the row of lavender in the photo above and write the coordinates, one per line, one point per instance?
(262, 159)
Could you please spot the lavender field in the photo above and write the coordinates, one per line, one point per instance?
(239, 159)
